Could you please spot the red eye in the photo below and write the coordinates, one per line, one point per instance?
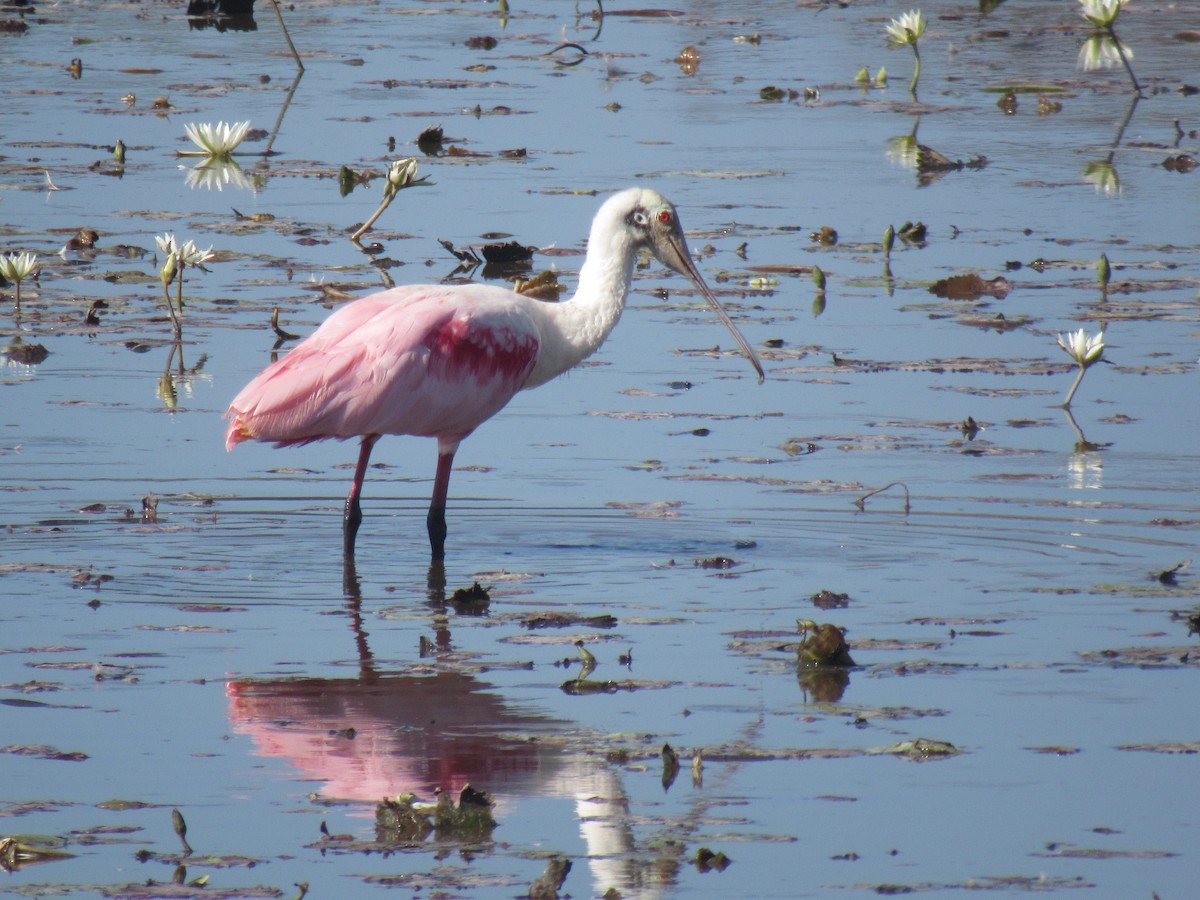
(664, 216)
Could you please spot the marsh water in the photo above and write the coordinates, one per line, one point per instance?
(178, 630)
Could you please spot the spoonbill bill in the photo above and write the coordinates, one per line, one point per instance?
(439, 360)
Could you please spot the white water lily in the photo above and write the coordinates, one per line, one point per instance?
(906, 29)
(1081, 347)
(186, 254)
(16, 267)
(190, 255)
(1101, 13)
(177, 258)
(1085, 350)
(402, 173)
(218, 140)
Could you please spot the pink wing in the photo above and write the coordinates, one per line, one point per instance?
(414, 360)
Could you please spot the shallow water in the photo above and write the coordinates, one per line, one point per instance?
(1013, 611)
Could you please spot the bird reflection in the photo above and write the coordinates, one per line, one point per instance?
(425, 729)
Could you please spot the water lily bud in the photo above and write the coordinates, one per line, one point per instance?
(889, 240)
(1103, 270)
(402, 173)
(818, 278)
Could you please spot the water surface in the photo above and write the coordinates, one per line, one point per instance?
(220, 660)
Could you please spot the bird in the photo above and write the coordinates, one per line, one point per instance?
(440, 360)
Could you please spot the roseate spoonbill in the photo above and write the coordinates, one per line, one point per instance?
(439, 360)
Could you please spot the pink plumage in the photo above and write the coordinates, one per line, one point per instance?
(438, 361)
(429, 361)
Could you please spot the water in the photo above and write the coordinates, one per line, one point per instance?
(1013, 612)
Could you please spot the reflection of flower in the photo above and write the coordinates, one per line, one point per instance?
(1085, 470)
(15, 267)
(906, 29)
(902, 149)
(1102, 51)
(214, 172)
(1103, 174)
(217, 140)
(1101, 13)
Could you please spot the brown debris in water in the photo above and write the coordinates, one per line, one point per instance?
(471, 600)
(550, 882)
(822, 645)
(1183, 163)
(405, 820)
(566, 619)
(826, 235)
(44, 751)
(25, 354)
(970, 287)
(543, 286)
(825, 599)
(708, 861)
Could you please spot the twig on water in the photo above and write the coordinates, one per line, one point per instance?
(279, 332)
(861, 501)
(286, 36)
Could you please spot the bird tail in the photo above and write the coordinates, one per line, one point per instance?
(238, 431)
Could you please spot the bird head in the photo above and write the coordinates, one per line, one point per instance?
(653, 223)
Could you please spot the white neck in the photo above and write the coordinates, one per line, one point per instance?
(574, 329)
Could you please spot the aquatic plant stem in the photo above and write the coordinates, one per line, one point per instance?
(175, 323)
(1137, 88)
(912, 88)
(287, 37)
(1066, 404)
(388, 197)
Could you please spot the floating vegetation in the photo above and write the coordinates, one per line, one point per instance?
(18, 852)
(407, 819)
(970, 287)
(822, 645)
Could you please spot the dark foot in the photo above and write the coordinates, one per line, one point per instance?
(351, 519)
(436, 523)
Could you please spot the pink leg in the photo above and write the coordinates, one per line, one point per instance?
(352, 517)
(436, 520)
